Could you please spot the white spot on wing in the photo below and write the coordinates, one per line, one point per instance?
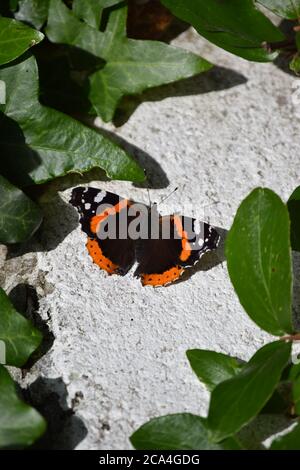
(100, 196)
(87, 205)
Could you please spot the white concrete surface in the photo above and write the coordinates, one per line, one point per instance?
(121, 345)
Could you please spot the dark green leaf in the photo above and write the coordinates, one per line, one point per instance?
(13, 4)
(40, 143)
(15, 39)
(20, 337)
(294, 380)
(294, 211)
(34, 12)
(294, 371)
(235, 25)
(238, 400)
(182, 431)
(290, 441)
(212, 367)
(19, 216)
(295, 64)
(20, 424)
(289, 9)
(131, 66)
(259, 260)
(296, 394)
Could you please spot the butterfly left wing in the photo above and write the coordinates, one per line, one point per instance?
(98, 208)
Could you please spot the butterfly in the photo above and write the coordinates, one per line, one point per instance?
(121, 233)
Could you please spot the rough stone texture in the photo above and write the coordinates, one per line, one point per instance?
(118, 357)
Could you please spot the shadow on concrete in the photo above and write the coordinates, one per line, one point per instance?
(216, 79)
(25, 300)
(65, 430)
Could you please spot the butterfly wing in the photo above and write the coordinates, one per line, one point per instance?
(163, 260)
(99, 211)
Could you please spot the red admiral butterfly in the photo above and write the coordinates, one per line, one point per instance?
(121, 232)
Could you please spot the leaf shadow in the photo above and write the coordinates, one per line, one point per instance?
(261, 428)
(65, 430)
(17, 158)
(25, 300)
(156, 176)
(60, 218)
(215, 79)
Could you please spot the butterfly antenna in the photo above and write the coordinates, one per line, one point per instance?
(168, 195)
(149, 198)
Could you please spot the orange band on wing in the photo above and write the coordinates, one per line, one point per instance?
(98, 257)
(98, 219)
(186, 247)
(161, 279)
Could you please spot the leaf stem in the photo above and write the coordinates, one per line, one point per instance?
(295, 337)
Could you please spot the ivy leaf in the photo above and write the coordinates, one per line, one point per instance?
(293, 205)
(212, 367)
(15, 39)
(238, 400)
(289, 9)
(290, 441)
(259, 260)
(19, 336)
(19, 216)
(131, 66)
(91, 10)
(20, 424)
(296, 395)
(40, 143)
(182, 431)
(295, 63)
(34, 12)
(235, 25)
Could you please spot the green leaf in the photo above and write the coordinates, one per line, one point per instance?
(20, 424)
(212, 367)
(235, 25)
(259, 260)
(91, 10)
(295, 64)
(296, 395)
(13, 4)
(131, 66)
(34, 12)
(40, 143)
(20, 337)
(290, 441)
(182, 431)
(294, 371)
(238, 400)
(19, 216)
(15, 39)
(293, 205)
(289, 9)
